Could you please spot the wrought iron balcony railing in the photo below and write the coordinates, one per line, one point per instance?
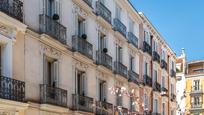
(12, 89)
(173, 73)
(196, 89)
(103, 11)
(82, 103)
(133, 77)
(147, 80)
(88, 2)
(133, 39)
(196, 106)
(13, 8)
(121, 110)
(104, 108)
(53, 95)
(83, 46)
(163, 64)
(120, 69)
(120, 27)
(157, 87)
(173, 97)
(156, 57)
(53, 28)
(147, 48)
(104, 59)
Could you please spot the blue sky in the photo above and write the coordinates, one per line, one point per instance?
(180, 22)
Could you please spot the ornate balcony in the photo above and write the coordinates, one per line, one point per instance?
(103, 11)
(82, 103)
(120, 69)
(133, 77)
(173, 73)
(12, 89)
(147, 48)
(83, 46)
(53, 28)
(173, 97)
(164, 91)
(13, 8)
(88, 2)
(104, 59)
(196, 90)
(156, 57)
(133, 39)
(147, 80)
(104, 108)
(163, 64)
(120, 27)
(157, 87)
(53, 95)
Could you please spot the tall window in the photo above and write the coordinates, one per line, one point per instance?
(155, 75)
(172, 65)
(102, 90)
(196, 85)
(172, 88)
(81, 26)
(132, 104)
(155, 46)
(172, 112)
(146, 68)
(163, 54)
(163, 81)
(163, 108)
(131, 26)
(118, 12)
(146, 101)
(147, 37)
(102, 41)
(155, 105)
(81, 83)
(119, 99)
(132, 63)
(196, 100)
(119, 52)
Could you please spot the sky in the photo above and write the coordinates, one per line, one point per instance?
(180, 22)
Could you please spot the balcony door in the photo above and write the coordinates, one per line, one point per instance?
(81, 26)
(102, 41)
(155, 76)
(132, 63)
(52, 7)
(102, 90)
(81, 83)
(50, 72)
(119, 52)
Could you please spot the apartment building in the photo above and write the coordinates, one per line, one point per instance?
(61, 57)
(194, 88)
(181, 83)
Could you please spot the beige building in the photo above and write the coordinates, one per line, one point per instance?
(63, 57)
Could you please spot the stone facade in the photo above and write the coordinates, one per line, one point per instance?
(65, 56)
